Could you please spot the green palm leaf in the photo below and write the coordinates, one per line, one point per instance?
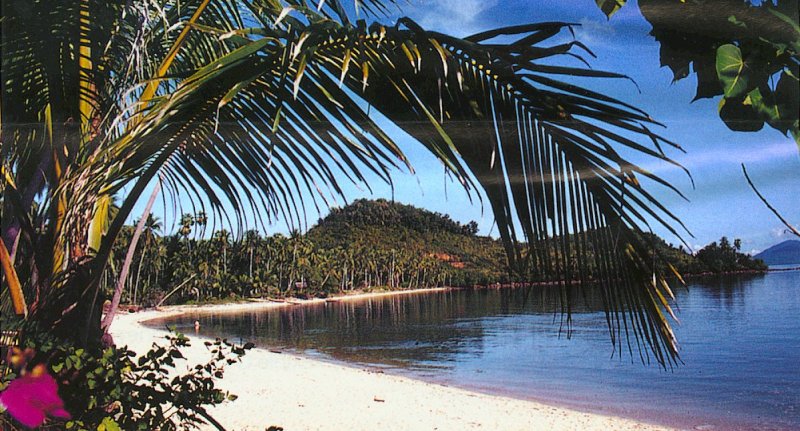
(259, 116)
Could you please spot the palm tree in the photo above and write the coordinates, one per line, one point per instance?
(186, 226)
(242, 106)
(251, 242)
(151, 226)
(222, 240)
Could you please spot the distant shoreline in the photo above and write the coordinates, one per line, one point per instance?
(740, 272)
(247, 304)
(358, 294)
(791, 268)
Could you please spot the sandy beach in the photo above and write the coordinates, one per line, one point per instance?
(298, 393)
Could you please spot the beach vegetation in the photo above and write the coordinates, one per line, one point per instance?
(727, 257)
(249, 112)
(112, 388)
(369, 245)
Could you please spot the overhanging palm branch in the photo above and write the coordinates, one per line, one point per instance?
(258, 116)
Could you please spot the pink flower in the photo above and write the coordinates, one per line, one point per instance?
(32, 397)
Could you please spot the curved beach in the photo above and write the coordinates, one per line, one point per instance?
(299, 393)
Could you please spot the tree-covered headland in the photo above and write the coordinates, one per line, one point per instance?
(248, 106)
(367, 245)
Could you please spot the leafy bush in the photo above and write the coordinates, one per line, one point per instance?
(112, 389)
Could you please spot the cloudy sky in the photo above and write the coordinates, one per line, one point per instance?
(721, 203)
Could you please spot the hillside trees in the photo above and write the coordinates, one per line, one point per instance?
(352, 250)
(727, 257)
(242, 108)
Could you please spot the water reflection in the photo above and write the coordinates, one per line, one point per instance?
(740, 341)
(395, 331)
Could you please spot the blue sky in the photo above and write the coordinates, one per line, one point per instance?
(721, 202)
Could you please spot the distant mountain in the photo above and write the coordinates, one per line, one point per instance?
(785, 253)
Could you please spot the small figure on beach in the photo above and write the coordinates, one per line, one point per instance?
(196, 326)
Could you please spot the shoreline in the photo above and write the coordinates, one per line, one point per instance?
(244, 304)
(302, 393)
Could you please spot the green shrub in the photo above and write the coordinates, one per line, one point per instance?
(113, 389)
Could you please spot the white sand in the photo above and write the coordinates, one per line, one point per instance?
(304, 394)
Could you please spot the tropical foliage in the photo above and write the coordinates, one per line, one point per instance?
(113, 389)
(713, 258)
(726, 257)
(366, 245)
(244, 108)
(363, 246)
(746, 51)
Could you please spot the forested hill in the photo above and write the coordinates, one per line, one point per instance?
(381, 212)
(380, 230)
(365, 245)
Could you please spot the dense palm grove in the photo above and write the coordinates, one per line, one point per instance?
(252, 105)
(364, 246)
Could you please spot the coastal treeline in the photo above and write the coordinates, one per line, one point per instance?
(367, 245)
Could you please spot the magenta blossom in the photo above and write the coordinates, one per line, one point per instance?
(32, 397)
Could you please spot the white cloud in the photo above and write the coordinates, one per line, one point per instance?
(456, 17)
(593, 33)
(768, 152)
(782, 232)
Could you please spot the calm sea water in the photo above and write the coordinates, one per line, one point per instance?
(739, 338)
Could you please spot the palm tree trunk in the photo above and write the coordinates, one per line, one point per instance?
(391, 273)
(126, 265)
(139, 274)
(344, 278)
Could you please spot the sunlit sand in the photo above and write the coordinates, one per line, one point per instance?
(298, 393)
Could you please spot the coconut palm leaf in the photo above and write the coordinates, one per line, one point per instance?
(266, 102)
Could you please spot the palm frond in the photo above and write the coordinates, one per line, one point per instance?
(255, 118)
(279, 116)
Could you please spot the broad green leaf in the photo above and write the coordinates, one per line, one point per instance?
(108, 424)
(732, 70)
(761, 105)
(778, 108)
(787, 101)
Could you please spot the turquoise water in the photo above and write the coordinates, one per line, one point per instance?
(739, 339)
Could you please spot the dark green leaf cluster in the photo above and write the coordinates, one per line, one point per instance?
(726, 257)
(714, 258)
(744, 50)
(747, 52)
(113, 389)
(381, 212)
